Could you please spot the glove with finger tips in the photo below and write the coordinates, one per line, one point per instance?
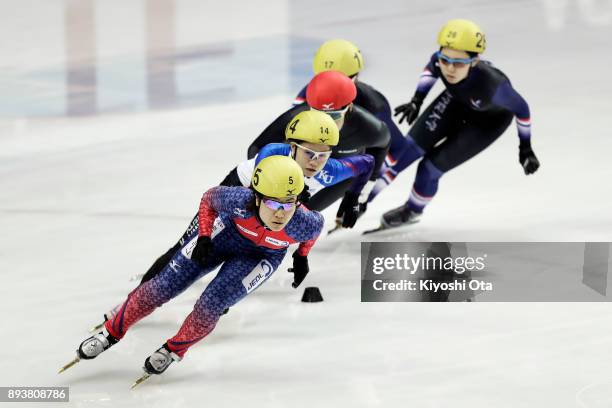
(527, 158)
(203, 249)
(349, 209)
(409, 111)
(300, 269)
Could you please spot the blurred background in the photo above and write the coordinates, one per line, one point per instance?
(88, 57)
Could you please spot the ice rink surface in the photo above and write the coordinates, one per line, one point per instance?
(116, 116)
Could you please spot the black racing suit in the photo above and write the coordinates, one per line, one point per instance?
(460, 123)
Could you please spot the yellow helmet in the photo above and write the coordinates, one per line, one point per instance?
(314, 127)
(338, 55)
(278, 177)
(462, 35)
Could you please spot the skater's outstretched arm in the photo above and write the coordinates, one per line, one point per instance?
(409, 111)
(428, 77)
(359, 167)
(507, 97)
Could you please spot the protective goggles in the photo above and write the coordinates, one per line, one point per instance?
(276, 205)
(314, 155)
(336, 114)
(456, 62)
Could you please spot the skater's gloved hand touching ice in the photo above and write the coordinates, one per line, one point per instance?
(300, 269)
(349, 210)
(527, 157)
(202, 250)
(410, 110)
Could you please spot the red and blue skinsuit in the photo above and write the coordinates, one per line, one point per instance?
(248, 254)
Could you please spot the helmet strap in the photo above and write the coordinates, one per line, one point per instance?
(258, 202)
(293, 151)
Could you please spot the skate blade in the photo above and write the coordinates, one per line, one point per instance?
(383, 227)
(143, 378)
(97, 327)
(373, 230)
(336, 228)
(136, 277)
(70, 364)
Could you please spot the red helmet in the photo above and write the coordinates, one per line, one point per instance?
(330, 90)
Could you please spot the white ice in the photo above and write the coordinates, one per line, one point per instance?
(89, 200)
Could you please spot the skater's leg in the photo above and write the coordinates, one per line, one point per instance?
(237, 278)
(454, 151)
(435, 123)
(425, 185)
(474, 137)
(178, 274)
(395, 163)
(163, 260)
(159, 264)
(396, 146)
(174, 278)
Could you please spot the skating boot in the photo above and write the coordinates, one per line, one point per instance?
(399, 216)
(157, 363)
(92, 347)
(95, 345)
(396, 217)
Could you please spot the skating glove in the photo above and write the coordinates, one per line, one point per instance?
(300, 269)
(527, 158)
(410, 110)
(202, 250)
(349, 210)
(304, 196)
